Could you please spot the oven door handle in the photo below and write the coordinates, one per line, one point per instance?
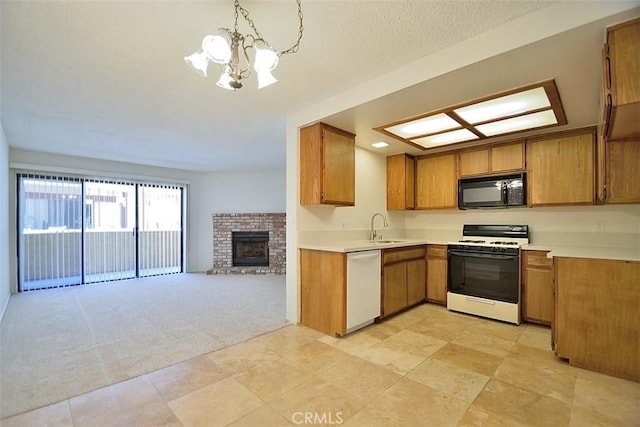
(478, 255)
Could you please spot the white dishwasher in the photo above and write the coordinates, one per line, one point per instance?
(363, 288)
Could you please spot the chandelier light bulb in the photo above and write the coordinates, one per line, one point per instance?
(198, 61)
(217, 49)
(265, 78)
(225, 80)
(266, 60)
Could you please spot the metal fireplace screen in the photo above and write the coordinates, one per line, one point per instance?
(250, 248)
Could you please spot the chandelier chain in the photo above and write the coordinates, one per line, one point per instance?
(245, 14)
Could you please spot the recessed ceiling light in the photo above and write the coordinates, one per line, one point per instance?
(380, 144)
(518, 110)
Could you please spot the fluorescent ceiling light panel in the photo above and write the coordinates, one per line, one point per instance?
(380, 144)
(516, 110)
(452, 137)
(431, 124)
(529, 121)
(505, 106)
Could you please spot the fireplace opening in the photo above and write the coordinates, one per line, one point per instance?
(250, 248)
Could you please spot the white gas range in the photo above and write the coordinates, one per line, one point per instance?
(484, 271)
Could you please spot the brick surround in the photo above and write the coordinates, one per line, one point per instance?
(225, 223)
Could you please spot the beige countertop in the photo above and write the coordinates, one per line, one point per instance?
(364, 245)
(622, 254)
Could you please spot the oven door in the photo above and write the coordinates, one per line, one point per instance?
(490, 276)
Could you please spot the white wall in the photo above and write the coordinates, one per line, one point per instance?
(231, 192)
(321, 222)
(562, 225)
(207, 193)
(4, 222)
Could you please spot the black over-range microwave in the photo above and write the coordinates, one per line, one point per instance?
(492, 192)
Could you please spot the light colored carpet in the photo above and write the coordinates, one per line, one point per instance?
(60, 343)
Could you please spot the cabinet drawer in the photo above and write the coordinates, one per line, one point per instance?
(538, 259)
(437, 252)
(403, 254)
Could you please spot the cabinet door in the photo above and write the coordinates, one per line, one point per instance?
(437, 281)
(507, 157)
(394, 288)
(410, 183)
(400, 182)
(338, 171)
(416, 281)
(436, 182)
(473, 162)
(327, 166)
(597, 317)
(537, 287)
(623, 170)
(538, 295)
(323, 291)
(561, 171)
(436, 278)
(624, 80)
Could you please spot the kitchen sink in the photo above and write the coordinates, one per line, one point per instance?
(389, 241)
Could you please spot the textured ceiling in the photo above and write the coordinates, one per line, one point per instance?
(107, 80)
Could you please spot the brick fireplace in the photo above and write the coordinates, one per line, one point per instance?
(225, 224)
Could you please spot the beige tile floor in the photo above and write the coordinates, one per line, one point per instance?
(424, 367)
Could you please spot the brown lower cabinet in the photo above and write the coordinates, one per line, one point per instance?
(323, 291)
(437, 274)
(597, 320)
(537, 287)
(403, 278)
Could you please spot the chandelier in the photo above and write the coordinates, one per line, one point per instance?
(231, 51)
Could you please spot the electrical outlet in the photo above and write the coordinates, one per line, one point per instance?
(600, 226)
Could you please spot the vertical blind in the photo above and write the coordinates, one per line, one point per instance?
(160, 235)
(87, 230)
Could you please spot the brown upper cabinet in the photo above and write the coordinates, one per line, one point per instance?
(436, 181)
(561, 169)
(622, 81)
(622, 171)
(491, 159)
(401, 169)
(327, 166)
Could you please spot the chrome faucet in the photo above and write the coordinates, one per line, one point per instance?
(373, 234)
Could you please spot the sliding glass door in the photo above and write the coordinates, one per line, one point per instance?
(74, 231)
(160, 237)
(110, 225)
(50, 221)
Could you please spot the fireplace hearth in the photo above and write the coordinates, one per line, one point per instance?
(250, 248)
